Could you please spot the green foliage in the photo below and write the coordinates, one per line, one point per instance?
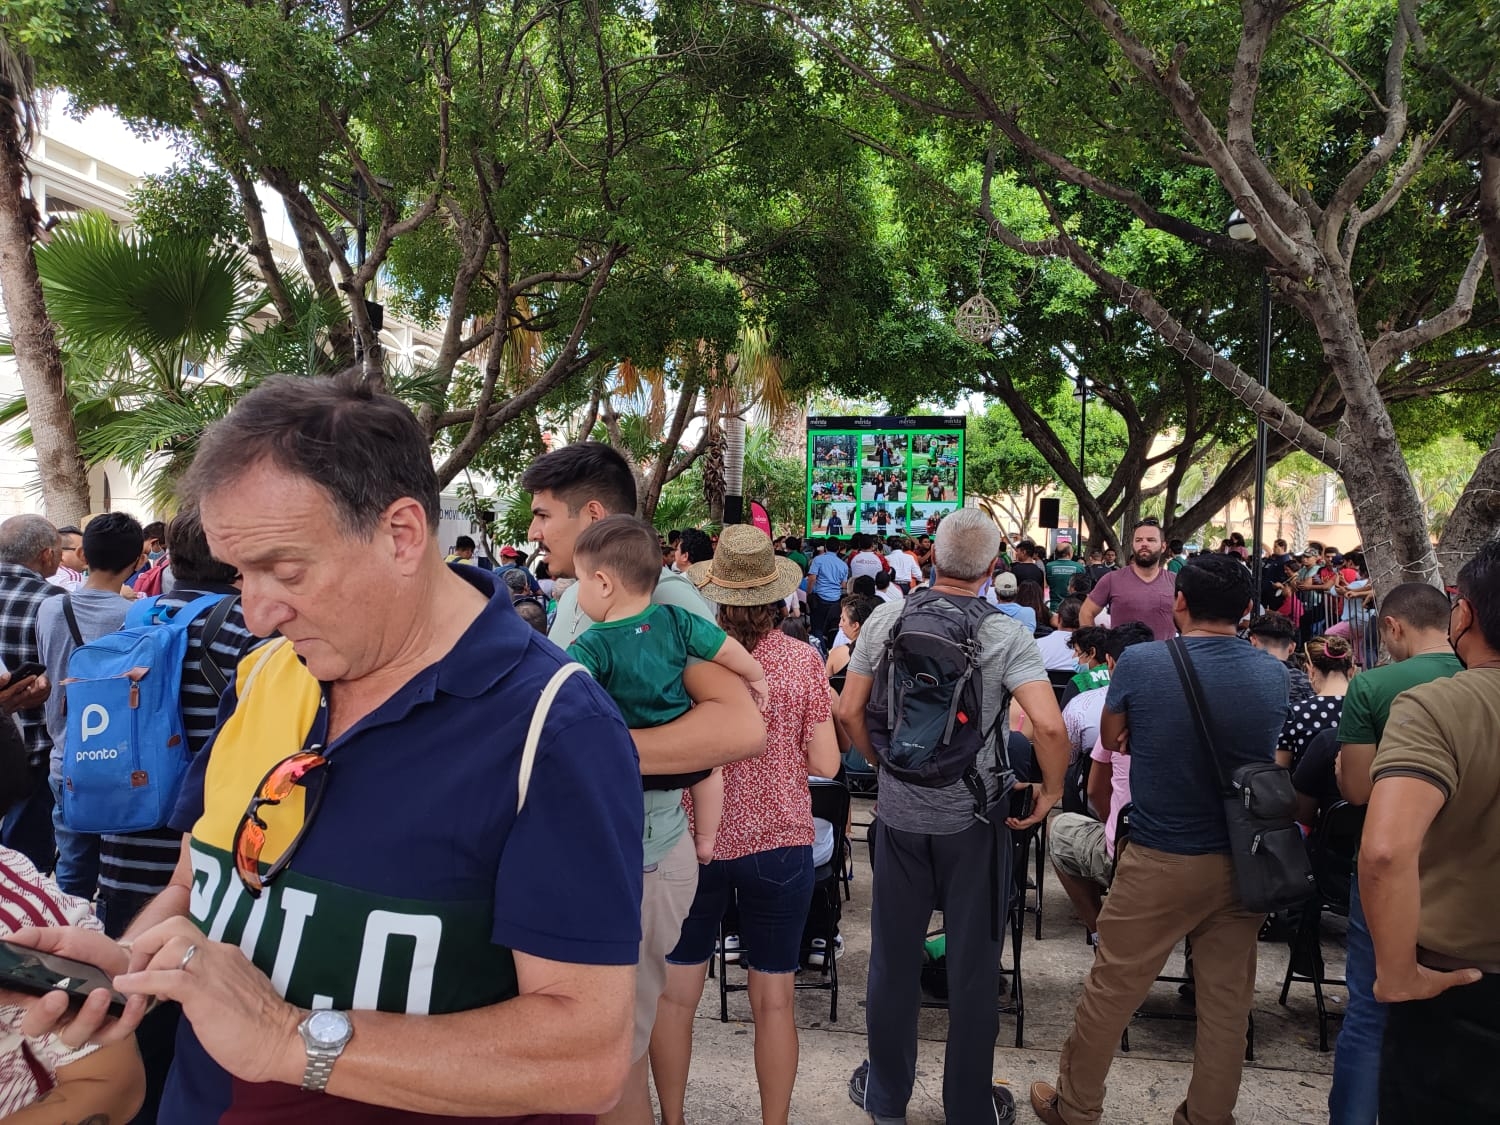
(1441, 470)
(192, 201)
(999, 460)
(778, 482)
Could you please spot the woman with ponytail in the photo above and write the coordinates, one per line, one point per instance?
(1330, 663)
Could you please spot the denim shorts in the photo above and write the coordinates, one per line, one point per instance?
(773, 889)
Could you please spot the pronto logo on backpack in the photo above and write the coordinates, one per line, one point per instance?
(926, 709)
(125, 752)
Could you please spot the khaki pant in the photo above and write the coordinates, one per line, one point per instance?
(666, 896)
(1156, 900)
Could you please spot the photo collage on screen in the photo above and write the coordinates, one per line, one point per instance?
(881, 482)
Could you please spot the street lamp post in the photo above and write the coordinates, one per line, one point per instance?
(1240, 230)
(1082, 395)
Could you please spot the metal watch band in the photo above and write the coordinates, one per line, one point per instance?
(319, 1068)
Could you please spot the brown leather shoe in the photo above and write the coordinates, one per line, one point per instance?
(1044, 1102)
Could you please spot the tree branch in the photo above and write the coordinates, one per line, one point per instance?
(1379, 155)
(1389, 345)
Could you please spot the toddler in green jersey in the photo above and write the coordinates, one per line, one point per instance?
(638, 648)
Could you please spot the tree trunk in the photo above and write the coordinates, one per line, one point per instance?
(1387, 509)
(1475, 519)
(65, 482)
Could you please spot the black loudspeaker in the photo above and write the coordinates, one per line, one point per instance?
(1051, 512)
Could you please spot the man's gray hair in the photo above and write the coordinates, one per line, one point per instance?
(966, 544)
(24, 538)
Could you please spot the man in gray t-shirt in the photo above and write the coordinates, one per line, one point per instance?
(1008, 659)
(932, 851)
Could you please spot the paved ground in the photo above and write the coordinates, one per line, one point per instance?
(1287, 1082)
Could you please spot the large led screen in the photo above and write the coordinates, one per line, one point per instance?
(888, 476)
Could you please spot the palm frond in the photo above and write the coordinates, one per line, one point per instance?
(150, 295)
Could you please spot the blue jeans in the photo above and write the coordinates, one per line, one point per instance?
(773, 890)
(77, 852)
(1355, 1096)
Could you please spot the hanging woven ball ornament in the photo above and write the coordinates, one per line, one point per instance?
(977, 319)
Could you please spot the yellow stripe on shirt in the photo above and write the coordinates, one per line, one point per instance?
(278, 702)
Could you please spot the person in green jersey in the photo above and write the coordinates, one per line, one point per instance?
(1060, 572)
(637, 650)
(1175, 560)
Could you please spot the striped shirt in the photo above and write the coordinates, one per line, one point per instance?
(143, 862)
(28, 1067)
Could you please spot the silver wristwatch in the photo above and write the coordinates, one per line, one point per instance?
(325, 1033)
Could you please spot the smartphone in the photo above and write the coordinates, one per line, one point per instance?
(36, 974)
(25, 671)
(1021, 803)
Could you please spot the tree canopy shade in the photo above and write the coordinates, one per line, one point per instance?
(1008, 472)
(1116, 138)
(553, 187)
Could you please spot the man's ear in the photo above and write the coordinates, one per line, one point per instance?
(406, 523)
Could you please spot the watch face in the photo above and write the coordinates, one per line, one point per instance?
(328, 1029)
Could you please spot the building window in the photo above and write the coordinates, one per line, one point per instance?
(1318, 512)
(192, 369)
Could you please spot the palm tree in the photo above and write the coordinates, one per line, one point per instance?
(142, 323)
(65, 488)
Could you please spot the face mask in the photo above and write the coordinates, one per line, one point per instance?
(1453, 641)
(154, 555)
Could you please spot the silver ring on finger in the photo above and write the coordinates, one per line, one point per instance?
(192, 951)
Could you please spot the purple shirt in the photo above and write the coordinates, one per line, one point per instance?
(1129, 599)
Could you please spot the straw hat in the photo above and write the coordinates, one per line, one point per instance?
(745, 570)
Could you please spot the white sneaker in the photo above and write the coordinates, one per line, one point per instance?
(732, 948)
(818, 955)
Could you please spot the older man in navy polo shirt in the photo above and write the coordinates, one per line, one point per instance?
(391, 905)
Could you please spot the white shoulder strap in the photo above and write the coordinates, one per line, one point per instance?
(262, 658)
(534, 732)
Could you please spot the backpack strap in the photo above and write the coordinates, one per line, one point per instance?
(262, 658)
(213, 625)
(72, 620)
(534, 732)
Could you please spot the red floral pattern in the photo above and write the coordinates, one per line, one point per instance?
(766, 802)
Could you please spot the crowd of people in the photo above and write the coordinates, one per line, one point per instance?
(459, 843)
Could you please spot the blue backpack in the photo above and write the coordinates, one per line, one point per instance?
(126, 752)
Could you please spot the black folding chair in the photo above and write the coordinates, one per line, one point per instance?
(1010, 974)
(1060, 681)
(1332, 848)
(830, 802)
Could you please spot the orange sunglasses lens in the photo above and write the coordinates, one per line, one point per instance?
(250, 837)
(286, 775)
(249, 842)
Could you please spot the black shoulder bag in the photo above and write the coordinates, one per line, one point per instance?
(1271, 866)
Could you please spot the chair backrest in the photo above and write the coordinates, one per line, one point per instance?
(1332, 848)
(1021, 756)
(1122, 827)
(830, 802)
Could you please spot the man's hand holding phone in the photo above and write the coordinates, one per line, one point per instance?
(25, 688)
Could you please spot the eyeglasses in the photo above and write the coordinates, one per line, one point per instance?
(278, 784)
